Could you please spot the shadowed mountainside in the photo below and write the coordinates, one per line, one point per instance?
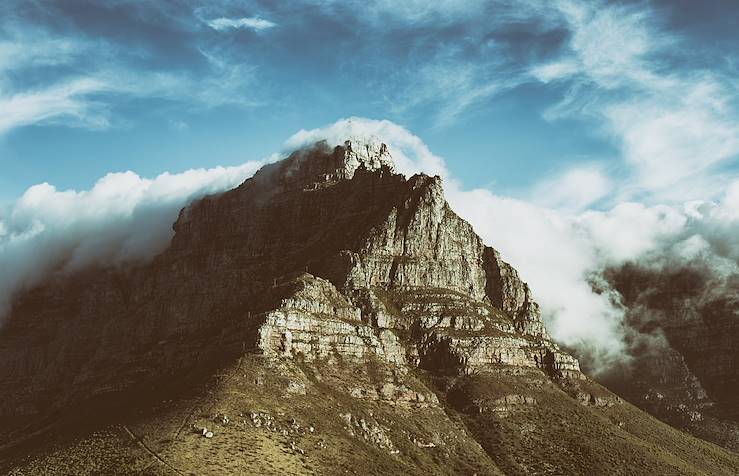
(684, 327)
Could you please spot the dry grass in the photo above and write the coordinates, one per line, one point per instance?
(556, 435)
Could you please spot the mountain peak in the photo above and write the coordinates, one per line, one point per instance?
(370, 154)
(319, 165)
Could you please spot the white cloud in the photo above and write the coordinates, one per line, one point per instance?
(561, 252)
(407, 12)
(730, 202)
(675, 136)
(87, 101)
(37, 50)
(122, 218)
(556, 257)
(609, 42)
(90, 79)
(451, 87)
(68, 100)
(409, 152)
(27, 48)
(253, 23)
(674, 127)
(574, 189)
(548, 72)
(630, 230)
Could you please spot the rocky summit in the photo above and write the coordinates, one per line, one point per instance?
(328, 316)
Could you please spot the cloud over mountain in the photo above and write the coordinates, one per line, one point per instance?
(123, 218)
(561, 252)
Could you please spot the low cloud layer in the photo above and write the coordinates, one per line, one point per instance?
(410, 154)
(123, 218)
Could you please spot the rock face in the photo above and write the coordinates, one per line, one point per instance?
(684, 329)
(449, 331)
(395, 260)
(355, 295)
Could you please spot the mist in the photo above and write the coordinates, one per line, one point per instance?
(122, 219)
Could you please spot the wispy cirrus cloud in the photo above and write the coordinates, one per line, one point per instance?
(451, 88)
(248, 23)
(617, 70)
(90, 100)
(675, 124)
(574, 189)
(68, 101)
(59, 73)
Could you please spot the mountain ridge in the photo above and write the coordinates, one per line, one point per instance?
(329, 288)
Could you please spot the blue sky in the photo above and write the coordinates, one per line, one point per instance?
(509, 93)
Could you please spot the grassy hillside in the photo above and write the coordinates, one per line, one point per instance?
(288, 418)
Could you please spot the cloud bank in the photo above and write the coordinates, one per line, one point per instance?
(123, 218)
(410, 154)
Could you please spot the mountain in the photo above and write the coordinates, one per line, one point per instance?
(684, 336)
(328, 316)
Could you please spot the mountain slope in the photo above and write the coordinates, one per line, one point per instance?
(327, 316)
(689, 372)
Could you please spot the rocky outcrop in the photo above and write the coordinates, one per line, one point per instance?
(316, 322)
(449, 332)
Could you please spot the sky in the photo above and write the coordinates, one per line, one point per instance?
(571, 133)
(508, 92)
